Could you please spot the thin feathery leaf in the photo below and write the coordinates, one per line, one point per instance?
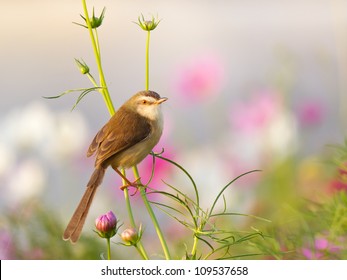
(225, 240)
(226, 186)
(72, 91)
(219, 249)
(64, 93)
(248, 237)
(242, 256)
(180, 201)
(166, 206)
(83, 94)
(152, 171)
(80, 24)
(224, 204)
(183, 194)
(187, 174)
(240, 214)
(182, 222)
(206, 242)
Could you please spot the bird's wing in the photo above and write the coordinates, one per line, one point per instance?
(99, 137)
(118, 135)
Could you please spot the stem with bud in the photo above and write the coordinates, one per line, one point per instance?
(109, 105)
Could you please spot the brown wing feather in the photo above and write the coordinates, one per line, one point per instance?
(99, 137)
(117, 135)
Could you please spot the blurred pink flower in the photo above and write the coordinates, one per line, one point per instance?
(6, 246)
(339, 183)
(199, 78)
(35, 254)
(162, 169)
(256, 113)
(322, 248)
(311, 112)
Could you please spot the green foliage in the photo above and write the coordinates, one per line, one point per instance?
(84, 92)
(204, 223)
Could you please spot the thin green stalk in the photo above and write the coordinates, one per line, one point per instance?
(110, 107)
(128, 205)
(147, 59)
(108, 248)
(141, 252)
(139, 246)
(109, 104)
(136, 172)
(97, 43)
(153, 217)
(104, 90)
(155, 223)
(91, 78)
(195, 245)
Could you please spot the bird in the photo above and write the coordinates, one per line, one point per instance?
(123, 142)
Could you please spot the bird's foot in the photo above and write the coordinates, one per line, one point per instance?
(136, 184)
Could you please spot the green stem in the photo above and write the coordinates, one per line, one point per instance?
(128, 205)
(139, 246)
(108, 248)
(147, 59)
(104, 90)
(141, 252)
(155, 223)
(97, 45)
(153, 217)
(110, 107)
(106, 95)
(195, 246)
(136, 173)
(91, 78)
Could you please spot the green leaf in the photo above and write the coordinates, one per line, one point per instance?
(226, 186)
(240, 214)
(84, 92)
(188, 175)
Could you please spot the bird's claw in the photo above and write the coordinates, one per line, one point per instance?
(136, 184)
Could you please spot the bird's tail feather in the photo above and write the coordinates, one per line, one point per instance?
(74, 228)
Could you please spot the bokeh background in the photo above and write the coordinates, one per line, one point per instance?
(251, 85)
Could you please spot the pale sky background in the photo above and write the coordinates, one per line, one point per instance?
(39, 41)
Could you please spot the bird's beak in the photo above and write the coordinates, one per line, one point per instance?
(161, 100)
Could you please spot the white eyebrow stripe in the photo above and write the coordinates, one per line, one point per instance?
(149, 98)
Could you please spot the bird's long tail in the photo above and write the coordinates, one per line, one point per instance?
(74, 228)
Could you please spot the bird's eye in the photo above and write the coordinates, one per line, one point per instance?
(144, 101)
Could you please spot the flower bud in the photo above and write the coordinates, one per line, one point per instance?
(130, 236)
(147, 25)
(82, 66)
(95, 22)
(106, 225)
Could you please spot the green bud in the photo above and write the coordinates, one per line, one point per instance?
(147, 25)
(82, 66)
(95, 22)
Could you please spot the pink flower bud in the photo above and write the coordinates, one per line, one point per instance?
(106, 225)
(130, 236)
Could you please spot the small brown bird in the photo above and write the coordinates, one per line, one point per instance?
(124, 141)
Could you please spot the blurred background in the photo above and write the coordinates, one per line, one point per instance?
(251, 85)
